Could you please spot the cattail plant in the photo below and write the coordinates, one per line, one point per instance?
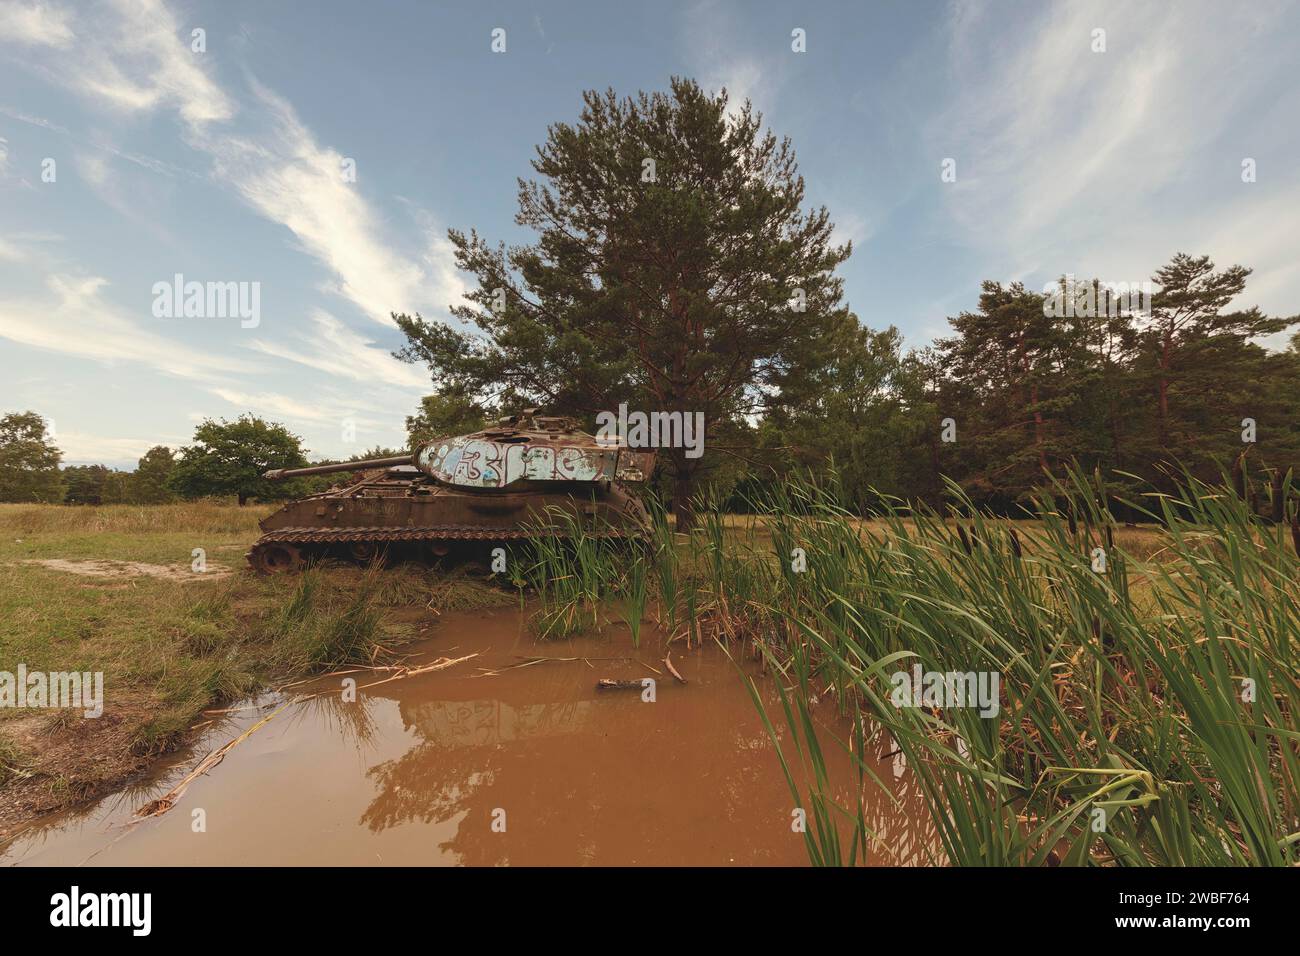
(1119, 697)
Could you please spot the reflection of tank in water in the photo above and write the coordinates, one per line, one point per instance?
(503, 483)
(485, 723)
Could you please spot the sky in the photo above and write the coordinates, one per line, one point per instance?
(316, 154)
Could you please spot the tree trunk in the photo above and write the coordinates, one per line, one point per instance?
(936, 471)
(683, 503)
(1164, 389)
(1038, 430)
(1113, 420)
(243, 499)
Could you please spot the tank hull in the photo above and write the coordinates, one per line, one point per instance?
(405, 512)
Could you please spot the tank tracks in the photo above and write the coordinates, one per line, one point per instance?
(288, 549)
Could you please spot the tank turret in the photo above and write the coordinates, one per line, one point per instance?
(519, 448)
(503, 483)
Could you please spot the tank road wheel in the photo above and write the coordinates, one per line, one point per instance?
(364, 552)
(276, 557)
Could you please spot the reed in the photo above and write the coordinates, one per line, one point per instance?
(1147, 711)
(1147, 693)
(572, 569)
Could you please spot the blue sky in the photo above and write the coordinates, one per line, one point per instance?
(227, 165)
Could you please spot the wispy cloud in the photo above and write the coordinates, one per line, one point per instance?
(36, 24)
(29, 119)
(276, 405)
(711, 31)
(134, 60)
(289, 178)
(82, 447)
(11, 251)
(141, 61)
(23, 247)
(74, 318)
(330, 346)
(341, 422)
(1066, 157)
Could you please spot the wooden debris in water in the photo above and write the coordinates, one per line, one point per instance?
(530, 661)
(156, 808)
(404, 672)
(609, 683)
(668, 663)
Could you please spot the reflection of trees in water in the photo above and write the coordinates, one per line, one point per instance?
(460, 770)
(607, 780)
(692, 778)
(472, 723)
(576, 793)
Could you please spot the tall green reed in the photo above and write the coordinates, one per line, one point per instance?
(1123, 734)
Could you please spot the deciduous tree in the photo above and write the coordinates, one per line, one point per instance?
(229, 458)
(29, 460)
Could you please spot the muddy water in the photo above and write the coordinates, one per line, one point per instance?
(427, 769)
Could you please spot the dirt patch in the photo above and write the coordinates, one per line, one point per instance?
(131, 569)
(62, 762)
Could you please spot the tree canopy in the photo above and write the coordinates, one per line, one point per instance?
(1029, 387)
(149, 483)
(29, 461)
(229, 458)
(675, 269)
(449, 412)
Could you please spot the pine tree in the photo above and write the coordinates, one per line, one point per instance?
(674, 269)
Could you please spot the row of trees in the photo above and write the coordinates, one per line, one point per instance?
(1016, 392)
(1013, 395)
(149, 484)
(675, 269)
(226, 459)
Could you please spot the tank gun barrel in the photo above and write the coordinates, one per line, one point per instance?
(275, 474)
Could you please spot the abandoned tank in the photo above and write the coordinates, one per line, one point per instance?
(513, 480)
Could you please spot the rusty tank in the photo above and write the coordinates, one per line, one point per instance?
(511, 481)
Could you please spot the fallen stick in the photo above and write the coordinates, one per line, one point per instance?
(437, 665)
(526, 661)
(668, 663)
(608, 683)
(156, 808)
